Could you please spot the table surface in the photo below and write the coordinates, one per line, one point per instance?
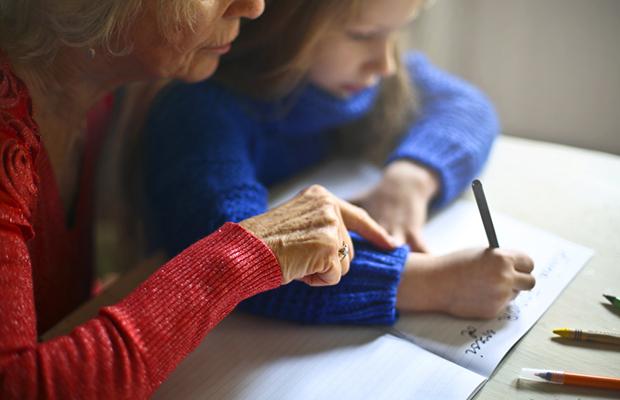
(571, 192)
(575, 194)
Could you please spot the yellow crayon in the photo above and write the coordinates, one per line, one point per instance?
(591, 336)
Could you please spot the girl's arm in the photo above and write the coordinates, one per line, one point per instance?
(200, 172)
(454, 131)
(443, 149)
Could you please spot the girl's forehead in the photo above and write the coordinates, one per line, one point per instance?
(387, 14)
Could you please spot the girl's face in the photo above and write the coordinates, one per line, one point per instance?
(192, 54)
(357, 55)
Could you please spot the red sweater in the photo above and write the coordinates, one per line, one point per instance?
(46, 271)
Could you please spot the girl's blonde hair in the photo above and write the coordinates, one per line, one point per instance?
(273, 54)
(34, 30)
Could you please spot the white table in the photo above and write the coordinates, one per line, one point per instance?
(571, 192)
(575, 194)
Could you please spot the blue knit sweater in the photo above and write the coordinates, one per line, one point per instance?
(212, 155)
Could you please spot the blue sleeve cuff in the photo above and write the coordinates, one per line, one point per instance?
(365, 296)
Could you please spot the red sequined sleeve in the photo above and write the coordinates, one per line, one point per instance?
(130, 348)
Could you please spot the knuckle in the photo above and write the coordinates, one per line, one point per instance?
(503, 257)
(316, 190)
(505, 264)
(499, 277)
(329, 216)
(506, 275)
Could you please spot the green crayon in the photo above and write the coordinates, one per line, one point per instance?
(613, 300)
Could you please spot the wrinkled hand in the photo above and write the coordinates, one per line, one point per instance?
(400, 201)
(473, 283)
(306, 233)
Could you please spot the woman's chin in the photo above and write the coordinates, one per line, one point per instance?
(200, 70)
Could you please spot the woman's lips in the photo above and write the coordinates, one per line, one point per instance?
(223, 49)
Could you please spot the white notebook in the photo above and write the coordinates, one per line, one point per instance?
(424, 356)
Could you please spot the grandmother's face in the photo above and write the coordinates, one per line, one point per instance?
(193, 53)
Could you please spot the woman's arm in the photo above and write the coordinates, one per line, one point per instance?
(129, 349)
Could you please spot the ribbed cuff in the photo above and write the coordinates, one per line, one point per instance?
(173, 310)
(365, 296)
(375, 283)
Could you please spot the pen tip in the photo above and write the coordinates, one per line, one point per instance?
(609, 297)
(543, 375)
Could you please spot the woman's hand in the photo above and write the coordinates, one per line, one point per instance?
(474, 283)
(307, 235)
(400, 201)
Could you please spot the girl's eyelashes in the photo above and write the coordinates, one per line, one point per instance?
(363, 36)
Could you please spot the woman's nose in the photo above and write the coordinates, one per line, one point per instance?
(245, 9)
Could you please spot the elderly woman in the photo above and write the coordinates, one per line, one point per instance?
(58, 59)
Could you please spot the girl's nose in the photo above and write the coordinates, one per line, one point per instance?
(383, 62)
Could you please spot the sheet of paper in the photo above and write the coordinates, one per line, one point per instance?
(480, 345)
(251, 358)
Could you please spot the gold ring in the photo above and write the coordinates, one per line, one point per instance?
(343, 252)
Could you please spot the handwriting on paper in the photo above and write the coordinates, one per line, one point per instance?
(479, 339)
(510, 313)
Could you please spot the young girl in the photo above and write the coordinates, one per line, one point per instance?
(317, 79)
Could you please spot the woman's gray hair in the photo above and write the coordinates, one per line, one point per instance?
(35, 29)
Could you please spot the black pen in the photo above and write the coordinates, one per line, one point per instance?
(476, 185)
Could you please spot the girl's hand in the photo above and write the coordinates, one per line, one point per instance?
(307, 234)
(474, 283)
(400, 201)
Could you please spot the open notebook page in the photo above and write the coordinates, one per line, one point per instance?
(480, 345)
(252, 358)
